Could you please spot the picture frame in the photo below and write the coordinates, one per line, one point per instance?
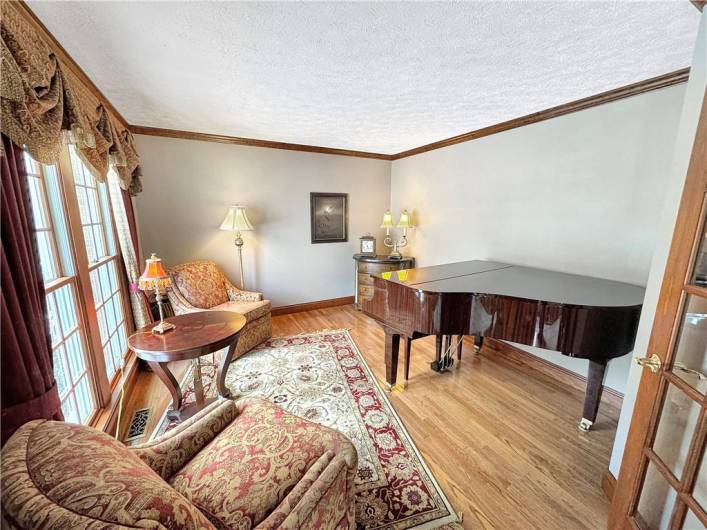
(329, 217)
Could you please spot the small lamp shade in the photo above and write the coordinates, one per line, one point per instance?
(155, 276)
(387, 220)
(405, 220)
(236, 220)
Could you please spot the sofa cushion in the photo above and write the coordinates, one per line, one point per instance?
(250, 310)
(60, 475)
(201, 283)
(247, 471)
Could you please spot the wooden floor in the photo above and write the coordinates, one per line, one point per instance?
(499, 436)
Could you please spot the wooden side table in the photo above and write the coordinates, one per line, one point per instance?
(196, 334)
(367, 265)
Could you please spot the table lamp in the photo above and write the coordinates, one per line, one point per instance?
(156, 278)
(237, 221)
(405, 222)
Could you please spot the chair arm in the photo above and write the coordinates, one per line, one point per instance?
(238, 295)
(171, 452)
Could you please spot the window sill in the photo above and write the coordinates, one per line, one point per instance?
(106, 419)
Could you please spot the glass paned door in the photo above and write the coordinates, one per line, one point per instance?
(661, 482)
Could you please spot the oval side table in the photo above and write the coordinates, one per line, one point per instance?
(195, 334)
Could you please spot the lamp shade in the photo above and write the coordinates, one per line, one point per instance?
(236, 220)
(405, 220)
(387, 220)
(154, 276)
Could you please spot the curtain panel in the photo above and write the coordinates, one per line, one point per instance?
(42, 103)
(29, 389)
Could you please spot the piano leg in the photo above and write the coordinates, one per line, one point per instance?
(392, 346)
(478, 343)
(408, 348)
(595, 384)
(460, 346)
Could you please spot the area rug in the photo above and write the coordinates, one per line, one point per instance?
(323, 377)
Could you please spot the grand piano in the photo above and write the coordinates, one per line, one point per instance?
(578, 316)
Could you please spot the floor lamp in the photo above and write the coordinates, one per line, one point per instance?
(237, 221)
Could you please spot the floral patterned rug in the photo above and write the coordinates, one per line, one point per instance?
(323, 377)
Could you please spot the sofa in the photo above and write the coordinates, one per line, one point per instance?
(201, 286)
(236, 467)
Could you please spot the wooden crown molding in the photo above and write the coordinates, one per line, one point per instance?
(673, 78)
(634, 89)
(252, 142)
(65, 58)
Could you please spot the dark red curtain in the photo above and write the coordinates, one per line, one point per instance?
(28, 387)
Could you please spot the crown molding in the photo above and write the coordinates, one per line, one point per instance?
(634, 89)
(64, 57)
(252, 142)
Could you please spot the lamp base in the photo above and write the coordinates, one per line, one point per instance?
(163, 327)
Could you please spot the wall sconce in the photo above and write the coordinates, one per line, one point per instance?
(405, 222)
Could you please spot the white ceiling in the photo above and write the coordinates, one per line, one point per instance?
(381, 77)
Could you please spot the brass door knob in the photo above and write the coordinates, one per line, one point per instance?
(653, 363)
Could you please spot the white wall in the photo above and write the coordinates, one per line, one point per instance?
(692, 106)
(188, 186)
(579, 193)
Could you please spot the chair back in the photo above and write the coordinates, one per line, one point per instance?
(201, 283)
(61, 475)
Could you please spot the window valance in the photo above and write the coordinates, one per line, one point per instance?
(44, 103)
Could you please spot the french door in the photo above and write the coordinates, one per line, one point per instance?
(663, 478)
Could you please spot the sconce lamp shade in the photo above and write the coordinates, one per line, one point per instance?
(236, 220)
(405, 220)
(387, 220)
(154, 277)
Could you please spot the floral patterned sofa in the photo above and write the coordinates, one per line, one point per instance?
(200, 286)
(251, 465)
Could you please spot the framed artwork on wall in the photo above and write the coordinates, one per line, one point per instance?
(329, 213)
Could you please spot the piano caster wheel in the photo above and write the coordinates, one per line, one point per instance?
(443, 364)
(388, 387)
(584, 425)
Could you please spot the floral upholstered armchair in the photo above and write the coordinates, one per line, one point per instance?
(251, 465)
(200, 286)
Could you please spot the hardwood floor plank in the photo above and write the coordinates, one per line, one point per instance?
(500, 437)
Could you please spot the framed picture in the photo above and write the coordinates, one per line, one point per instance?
(329, 214)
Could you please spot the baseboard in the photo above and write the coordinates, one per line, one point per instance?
(309, 306)
(608, 485)
(609, 396)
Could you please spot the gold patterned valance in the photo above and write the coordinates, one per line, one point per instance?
(43, 102)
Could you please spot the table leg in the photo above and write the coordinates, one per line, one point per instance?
(160, 368)
(225, 362)
(198, 384)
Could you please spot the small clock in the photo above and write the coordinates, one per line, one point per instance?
(368, 245)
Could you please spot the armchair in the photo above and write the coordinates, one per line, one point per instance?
(200, 286)
(251, 465)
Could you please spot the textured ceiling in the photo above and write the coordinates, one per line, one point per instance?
(382, 77)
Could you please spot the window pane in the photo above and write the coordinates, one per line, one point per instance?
(108, 357)
(656, 502)
(67, 309)
(84, 400)
(90, 245)
(46, 257)
(700, 490)
(678, 421)
(691, 349)
(60, 372)
(75, 356)
(68, 407)
(53, 317)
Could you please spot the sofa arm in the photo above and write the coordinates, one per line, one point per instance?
(179, 304)
(171, 452)
(238, 295)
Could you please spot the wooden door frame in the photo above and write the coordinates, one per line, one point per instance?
(667, 319)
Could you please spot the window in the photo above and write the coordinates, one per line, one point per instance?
(86, 298)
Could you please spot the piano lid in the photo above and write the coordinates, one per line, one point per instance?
(489, 277)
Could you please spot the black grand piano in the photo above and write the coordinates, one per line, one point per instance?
(575, 315)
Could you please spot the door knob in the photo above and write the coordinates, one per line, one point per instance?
(653, 363)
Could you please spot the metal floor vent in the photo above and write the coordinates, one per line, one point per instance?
(138, 425)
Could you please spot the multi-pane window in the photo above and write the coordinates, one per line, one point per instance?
(85, 296)
(94, 208)
(65, 327)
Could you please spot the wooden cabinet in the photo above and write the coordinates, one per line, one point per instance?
(367, 265)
